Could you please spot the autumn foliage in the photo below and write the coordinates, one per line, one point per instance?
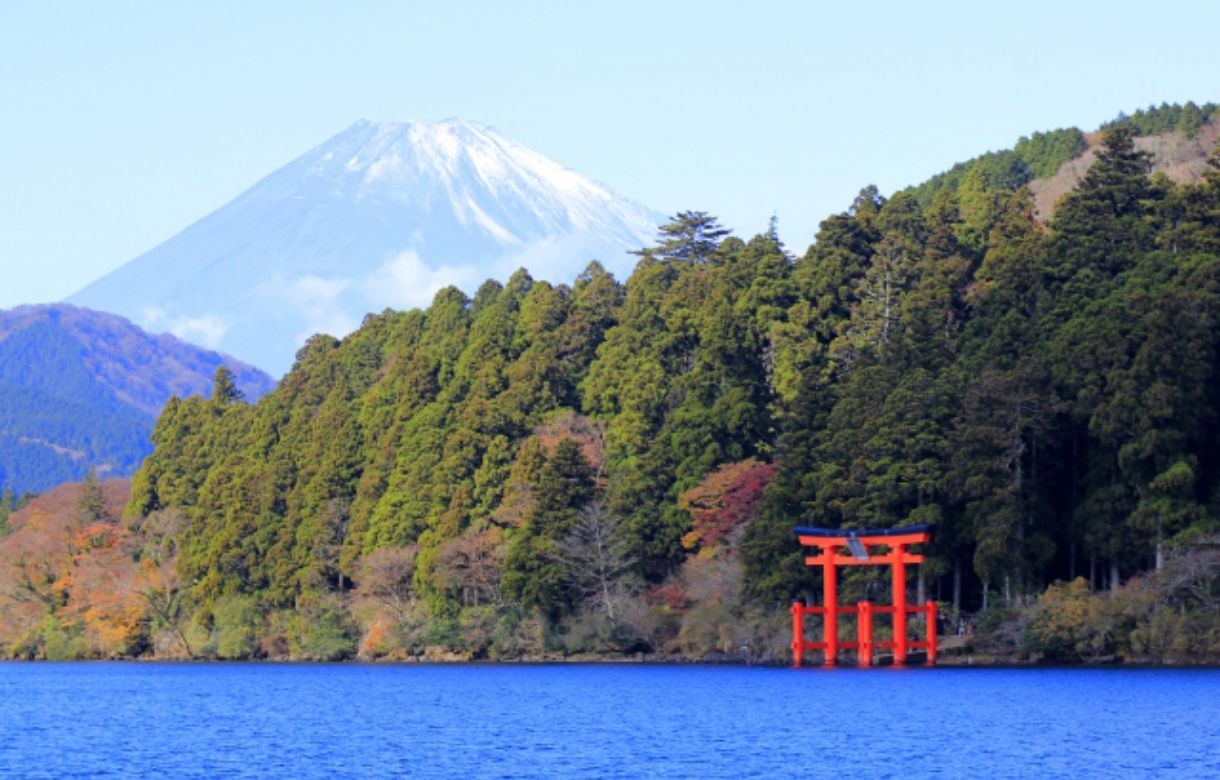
(725, 501)
(69, 584)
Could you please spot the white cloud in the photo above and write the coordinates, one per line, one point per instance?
(314, 290)
(317, 301)
(560, 259)
(408, 282)
(207, 330)
(152, 316)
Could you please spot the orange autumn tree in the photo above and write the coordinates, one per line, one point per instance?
(722, 504)
(102, 585)
(31, 559)
(67, 577)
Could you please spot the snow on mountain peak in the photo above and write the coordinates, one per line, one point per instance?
(382, 214)
(466, 163)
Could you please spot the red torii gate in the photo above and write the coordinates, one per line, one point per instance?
(832, 541)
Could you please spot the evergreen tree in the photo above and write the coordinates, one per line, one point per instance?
(689, 236)
(92, 504)
(7, 506)
(1102, 226)
(534, 570)
(224, 387)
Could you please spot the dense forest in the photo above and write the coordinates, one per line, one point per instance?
(617, 466)
(1166, 118)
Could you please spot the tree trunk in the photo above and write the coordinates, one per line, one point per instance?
(1033, 457)
(606, 598)
(1071, 560)
(921, 593)
(1160, 555)
(1075, 458)
(1092, 570)
(1114, 580)
(957, 584)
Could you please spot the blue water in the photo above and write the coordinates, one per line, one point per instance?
(216, 720)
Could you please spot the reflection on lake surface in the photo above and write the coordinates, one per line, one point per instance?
(252, 720)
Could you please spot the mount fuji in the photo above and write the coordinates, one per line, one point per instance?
(381, 215)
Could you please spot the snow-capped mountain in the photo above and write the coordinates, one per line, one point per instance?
(382, 215)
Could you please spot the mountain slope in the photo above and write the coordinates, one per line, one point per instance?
(80, 388)
(1178, 139)
(1180, 155)
(381, 215)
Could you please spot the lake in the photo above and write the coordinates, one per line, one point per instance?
(267, 720)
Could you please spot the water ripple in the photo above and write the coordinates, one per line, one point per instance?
(302, 721)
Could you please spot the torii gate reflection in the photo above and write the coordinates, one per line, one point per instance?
(858, 542)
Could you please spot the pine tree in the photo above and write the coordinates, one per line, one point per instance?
(1101, 227)
(224, 387)
(7, 505)
(92, 504)
(689, 236)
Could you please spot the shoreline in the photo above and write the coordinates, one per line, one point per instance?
(969, 662)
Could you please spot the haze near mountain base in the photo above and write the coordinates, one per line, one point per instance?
(382, 215)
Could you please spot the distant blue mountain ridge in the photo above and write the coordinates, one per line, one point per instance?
(81, 389)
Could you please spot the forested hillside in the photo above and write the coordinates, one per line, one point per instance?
(81, 389)
(618, 466)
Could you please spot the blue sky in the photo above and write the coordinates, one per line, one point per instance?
(124, 122)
